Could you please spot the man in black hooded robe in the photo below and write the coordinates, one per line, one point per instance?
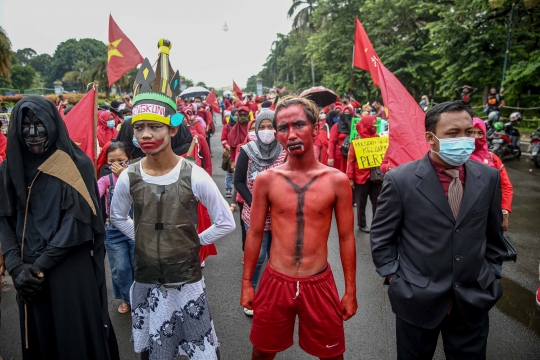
(52, 238)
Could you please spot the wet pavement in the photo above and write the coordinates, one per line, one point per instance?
(370, 334)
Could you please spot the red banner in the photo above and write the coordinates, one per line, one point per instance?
(406, 122)
(211, 100)
(237, 91)
(364, 56)
(80, 123)
(122, 54)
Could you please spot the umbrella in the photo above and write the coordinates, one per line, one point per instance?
(320, 95)
(227, 92)
(194, 91)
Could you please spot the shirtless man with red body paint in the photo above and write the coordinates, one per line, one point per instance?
(301, 195)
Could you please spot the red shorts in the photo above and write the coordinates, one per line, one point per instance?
(316, 302)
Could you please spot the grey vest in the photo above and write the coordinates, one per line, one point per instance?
(165, 220)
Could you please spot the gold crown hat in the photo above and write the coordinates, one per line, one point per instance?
(155, 93)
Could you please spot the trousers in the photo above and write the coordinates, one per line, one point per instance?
(121, 252)
(461, 341)
(361, 193)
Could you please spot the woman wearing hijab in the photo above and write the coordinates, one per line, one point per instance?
(239, 131)
(52, 238)
(106, 127)
(337, 153)
(194, 122)
(360, 180)
(255, 157)
(482, 155)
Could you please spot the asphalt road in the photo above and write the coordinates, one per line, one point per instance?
(370, 334)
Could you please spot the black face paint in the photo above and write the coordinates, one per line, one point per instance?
(300, 220)
(35, 135)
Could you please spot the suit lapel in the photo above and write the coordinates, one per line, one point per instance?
(430, 187)
(473, 188)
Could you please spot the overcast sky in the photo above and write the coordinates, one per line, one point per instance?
(201, 50)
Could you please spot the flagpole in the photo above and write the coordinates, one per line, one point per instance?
(352, 72)
(95, 123)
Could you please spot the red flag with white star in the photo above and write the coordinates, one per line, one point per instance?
(122, 55)
(364, 56)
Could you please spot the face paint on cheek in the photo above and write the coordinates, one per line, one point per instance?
(151, 145)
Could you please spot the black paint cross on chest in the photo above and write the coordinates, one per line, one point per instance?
(300, 220)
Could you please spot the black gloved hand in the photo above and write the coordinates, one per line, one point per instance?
(26, 281)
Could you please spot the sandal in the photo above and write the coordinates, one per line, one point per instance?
(232, 207)
(124, 308)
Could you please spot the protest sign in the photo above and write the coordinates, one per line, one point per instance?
(370, 152)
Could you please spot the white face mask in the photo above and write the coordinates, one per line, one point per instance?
(267, 136)
(252, 136)
(322, 116)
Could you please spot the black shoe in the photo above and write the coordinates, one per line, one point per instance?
(364, 229)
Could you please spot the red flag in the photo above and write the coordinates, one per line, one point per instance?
(364, 56)
(80, 123)
(212, 101)
(122, 54)
(237, 91)
(406, 122)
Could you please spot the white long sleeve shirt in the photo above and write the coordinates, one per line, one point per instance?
(203, 187)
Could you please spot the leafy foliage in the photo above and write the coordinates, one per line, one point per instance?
(5, 53)
(432, 46)
(71, 51)
(22, 77)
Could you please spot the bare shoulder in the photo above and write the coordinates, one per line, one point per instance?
(338, 177)
(265, 177)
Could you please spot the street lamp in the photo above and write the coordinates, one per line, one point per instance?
(82, 83)
(225, 27)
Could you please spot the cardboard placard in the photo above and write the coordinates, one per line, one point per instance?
(370, 152)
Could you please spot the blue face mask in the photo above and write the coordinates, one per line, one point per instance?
(110, 124)
(234, 117)
(455, 151)
(335, 120)
(135, 142)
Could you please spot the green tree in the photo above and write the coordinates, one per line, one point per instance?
(77, 75)
(188, 82)
(98, 71)
(5, 54)
(304, 20)
(251, 84)
(70, 51)
(25, 55)
(22, 77)
(201, 83)
(41, 63)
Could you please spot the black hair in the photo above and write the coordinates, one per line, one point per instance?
(119, 145)
(378, 101)
(434, 114)
(198, 97)
(126, 110)
(311, 110)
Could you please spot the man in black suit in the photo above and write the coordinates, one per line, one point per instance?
(437, 239)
